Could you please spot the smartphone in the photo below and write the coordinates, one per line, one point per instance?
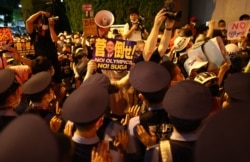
(207, 23)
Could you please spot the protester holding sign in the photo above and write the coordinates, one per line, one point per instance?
(111, 54)
(238, 29)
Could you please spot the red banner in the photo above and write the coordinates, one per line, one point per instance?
(5, 36)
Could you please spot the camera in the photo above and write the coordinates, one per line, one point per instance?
(169, 7)
(162, 131)
(45, 20)
(139, 23)
(55, 18)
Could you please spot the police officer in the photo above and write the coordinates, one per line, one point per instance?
(85, 107)
(225, 136)
(39, 90)
(188, 103)
(28, 138)
(10, 96)
(151, 80)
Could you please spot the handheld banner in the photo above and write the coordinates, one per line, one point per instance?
(212, 51)
(6, 37)
(90, 27)
(112, 54)
(237, 29)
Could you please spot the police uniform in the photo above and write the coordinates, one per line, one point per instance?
(237, 87)
(225, 137)
(84, 106)
(36, 84)
(186, 101)
(148, 77)
(28, 138)
(7, 114)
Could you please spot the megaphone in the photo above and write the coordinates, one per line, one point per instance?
(104, 19)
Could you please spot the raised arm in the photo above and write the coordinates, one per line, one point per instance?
(164, 43)
(151, 42)
(53, 34)
(30, 21)
(210, 29)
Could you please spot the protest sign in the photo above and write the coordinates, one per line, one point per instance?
(90, 27)
(197, 52)
(237, 29)
(6, 37)
(113, 54)
(6, 40)
(24, 47)
(213, 51)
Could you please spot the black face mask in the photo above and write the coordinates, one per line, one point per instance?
(214, 89)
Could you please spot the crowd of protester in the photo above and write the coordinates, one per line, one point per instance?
(167, 107)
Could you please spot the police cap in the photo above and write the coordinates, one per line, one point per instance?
(225, 136)
(147, 76)
(237, 86)
(28, 138)
(7, 78)
(188, 100)
(86, 104)
(37, 83)
(99, 79)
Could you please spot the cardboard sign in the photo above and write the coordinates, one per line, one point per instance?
(90, 27)
(237, 29)
(24, 48)
(113, 54)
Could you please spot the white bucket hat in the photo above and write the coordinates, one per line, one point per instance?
(181, 42)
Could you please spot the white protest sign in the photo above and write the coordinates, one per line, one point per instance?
(213, 50)
(237, 29)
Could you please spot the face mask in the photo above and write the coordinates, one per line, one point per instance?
(214, 89)
(134, 21)
(45, 27)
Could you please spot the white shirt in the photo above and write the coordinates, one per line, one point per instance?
(135, 36)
